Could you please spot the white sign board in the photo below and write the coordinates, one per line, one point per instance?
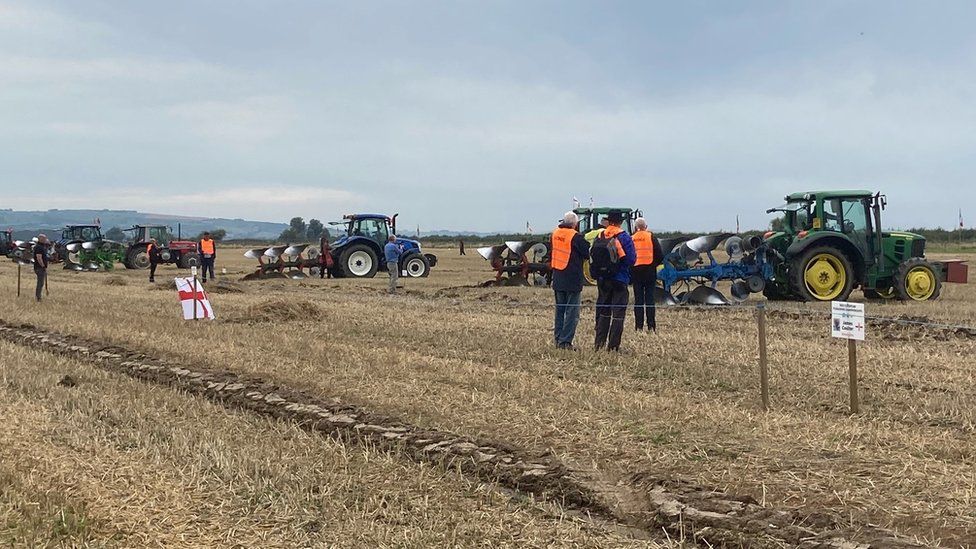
(847, 320)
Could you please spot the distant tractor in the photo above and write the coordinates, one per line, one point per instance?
(359, 252)
(7, 245)
(83, 248)
(182, 253)
(356, 254)
(523, 262)
(832, 242)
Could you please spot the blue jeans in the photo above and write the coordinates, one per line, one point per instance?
(567, 317)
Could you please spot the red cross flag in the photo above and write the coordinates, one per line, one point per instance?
(194, 300)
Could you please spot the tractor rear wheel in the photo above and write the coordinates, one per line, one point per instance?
(137, 258)
(588, 278)
(417, 266)
(822, 273)
(916, 280)
(359, 261)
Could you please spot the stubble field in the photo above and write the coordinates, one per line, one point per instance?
(130, 462)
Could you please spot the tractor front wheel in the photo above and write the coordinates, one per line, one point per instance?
(417, 266)
(823, 273)
(359, 261)
(916, 280)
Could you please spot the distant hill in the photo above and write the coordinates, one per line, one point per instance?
(51, 221)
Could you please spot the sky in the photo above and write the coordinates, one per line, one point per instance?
(487, 115)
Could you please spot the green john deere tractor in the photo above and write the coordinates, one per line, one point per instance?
(831, 242)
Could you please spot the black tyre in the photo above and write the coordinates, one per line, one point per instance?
(137, 258)
(189, 260)
(359, 261)
(417, 266)
(917, 280)
(822, 273)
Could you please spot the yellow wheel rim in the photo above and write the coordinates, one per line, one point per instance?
(825, 277)
(586, 274)
(920, 283)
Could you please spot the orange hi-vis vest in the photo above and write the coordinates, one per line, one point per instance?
(611, 232)
(207, 246)
(644, 245)
(562, 247)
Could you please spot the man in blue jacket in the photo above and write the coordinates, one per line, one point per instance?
(392, 253)
(613, 291)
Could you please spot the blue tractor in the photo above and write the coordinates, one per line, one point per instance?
(359, 252)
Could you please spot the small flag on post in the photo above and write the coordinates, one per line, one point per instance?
(528, 228)
(195, 303)
(576, 203)
(960, 219)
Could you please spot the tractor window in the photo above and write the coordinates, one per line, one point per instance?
(832, 212)
(373, 229)
(89, 234)
(802, 218)
(854, 216)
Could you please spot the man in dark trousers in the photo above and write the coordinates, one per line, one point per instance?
(152, 249)
(569, 249)
(39, 255)
(613, 281)
(208, 254)
(644, 275)
(461, 246)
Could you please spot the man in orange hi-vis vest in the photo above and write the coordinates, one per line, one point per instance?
(569, 249)
(644, 275)
(208, 253)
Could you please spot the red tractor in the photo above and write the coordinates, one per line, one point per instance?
(183, 253)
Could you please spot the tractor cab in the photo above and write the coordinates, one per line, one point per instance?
(375, 227)
(589, 224)
(141, 234)
(81, 233)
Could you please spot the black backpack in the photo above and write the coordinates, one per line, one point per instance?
(603, 256)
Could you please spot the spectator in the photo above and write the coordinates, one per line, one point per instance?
(569, 249)
(39, 256)
(392, 252)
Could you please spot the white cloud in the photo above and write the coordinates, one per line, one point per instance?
(240, 124)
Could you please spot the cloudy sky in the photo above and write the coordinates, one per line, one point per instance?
(484, 115)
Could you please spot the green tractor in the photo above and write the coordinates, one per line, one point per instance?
(589, 226)
(831, 242)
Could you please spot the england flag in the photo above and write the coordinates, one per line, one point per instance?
(195, 303)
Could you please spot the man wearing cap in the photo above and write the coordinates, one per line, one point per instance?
(569, 249)
(39, 255)
(613, 292)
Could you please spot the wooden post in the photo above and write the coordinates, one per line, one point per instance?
(763, 365)
(19, 265)
(852, 360)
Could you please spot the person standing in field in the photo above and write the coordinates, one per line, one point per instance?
(461, 246)
(644, 275)
(208, 255)
(569, 249)
(39, 255)
(392, 253)
(152, 250)
(325, 257)
(611, 257)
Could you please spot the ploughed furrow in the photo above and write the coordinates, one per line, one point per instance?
(710, 517)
